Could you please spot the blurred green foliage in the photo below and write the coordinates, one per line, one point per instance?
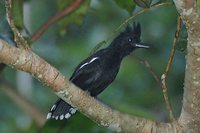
(75, 17)
(198, 2)
(134, 91)
(143, 3)
(128, 5)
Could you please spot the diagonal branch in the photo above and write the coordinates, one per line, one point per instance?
(28, 61)
(24, 103)
(150, 68)
(55, 18)
(20, 41)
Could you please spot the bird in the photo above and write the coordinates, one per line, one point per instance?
(98, 71)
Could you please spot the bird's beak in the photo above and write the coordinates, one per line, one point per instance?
(141, 45)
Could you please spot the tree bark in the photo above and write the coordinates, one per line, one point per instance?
(190, 115)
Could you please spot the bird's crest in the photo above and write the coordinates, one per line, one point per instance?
(132, 30)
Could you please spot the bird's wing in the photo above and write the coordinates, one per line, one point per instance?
(87, 72)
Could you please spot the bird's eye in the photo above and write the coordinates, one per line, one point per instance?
(129, 40)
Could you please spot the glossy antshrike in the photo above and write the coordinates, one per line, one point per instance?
(99, 70)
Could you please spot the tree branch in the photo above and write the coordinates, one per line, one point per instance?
(165, 74)
(189, 119)
(20, 41)
(55, 18)
(27, 61)
(150, 69)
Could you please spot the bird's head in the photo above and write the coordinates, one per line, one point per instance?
(128, 40)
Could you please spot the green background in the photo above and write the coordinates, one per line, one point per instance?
(66, 43)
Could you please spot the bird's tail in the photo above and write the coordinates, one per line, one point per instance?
(61, 110)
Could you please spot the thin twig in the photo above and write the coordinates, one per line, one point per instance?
(150, 68)
(55, 18)
(126, 22)
(20, 41)
(165, 74)
(23, 103)
(174, 45)
(165, 94)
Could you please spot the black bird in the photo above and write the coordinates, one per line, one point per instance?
(99, 70)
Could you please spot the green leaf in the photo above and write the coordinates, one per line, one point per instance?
(143, 3)
(128, 5)
(182, 40)
(17, 12)
(75, 17)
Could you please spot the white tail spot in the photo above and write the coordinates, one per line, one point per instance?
(72, 110)
(61, 117)
(49, 115)
(67, 115)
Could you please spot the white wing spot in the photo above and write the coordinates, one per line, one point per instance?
(67, 115)
(93, 59)
(83, 65)
(56, 117)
